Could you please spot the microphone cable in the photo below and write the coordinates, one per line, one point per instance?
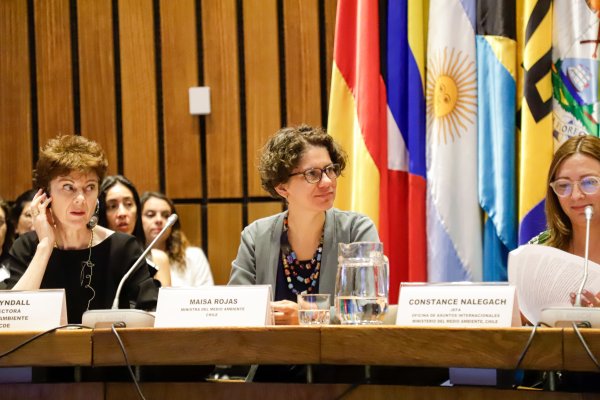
(44, 333)
(124, 351)
(39, 335)
(517, 373)
(585, 345)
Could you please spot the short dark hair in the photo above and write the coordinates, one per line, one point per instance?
(284, 150)
(67, 153)
(19, 204)
(10, 228)
(109, 182)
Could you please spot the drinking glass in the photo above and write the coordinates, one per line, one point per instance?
(313, 309)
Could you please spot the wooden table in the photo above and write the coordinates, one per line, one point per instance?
(441, 347)
(185, 346)
(552, 349)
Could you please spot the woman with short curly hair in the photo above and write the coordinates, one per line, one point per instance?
(296, 251)
(67, 249)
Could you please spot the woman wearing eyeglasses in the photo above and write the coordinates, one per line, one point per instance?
(296, 251)
(573, 184)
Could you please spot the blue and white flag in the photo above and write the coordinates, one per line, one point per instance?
(454, 216)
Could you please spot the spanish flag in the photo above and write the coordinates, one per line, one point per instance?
(373, 58)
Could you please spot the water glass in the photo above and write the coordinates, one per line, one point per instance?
(313, 309)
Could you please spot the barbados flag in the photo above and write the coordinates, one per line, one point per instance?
(497, 67)
(377, 113)
(453, 215)
(536, 144)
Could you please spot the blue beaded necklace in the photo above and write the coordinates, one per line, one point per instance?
(301, 277)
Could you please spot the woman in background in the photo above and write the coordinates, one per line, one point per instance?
(120, 211)
(67, 249)
(20, 213)
(189, 266)
(296, 251)
(6, 240)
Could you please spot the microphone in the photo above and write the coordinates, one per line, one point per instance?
(586, 316)
(589, 211)
(129, 317)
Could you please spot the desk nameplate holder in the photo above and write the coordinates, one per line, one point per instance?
(39, 310)
(460, 304)
(214, 306)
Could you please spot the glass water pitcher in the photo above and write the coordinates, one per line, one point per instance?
(362, 283)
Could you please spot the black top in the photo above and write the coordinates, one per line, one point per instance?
(111, 258)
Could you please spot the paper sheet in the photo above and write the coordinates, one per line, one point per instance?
(545, 277)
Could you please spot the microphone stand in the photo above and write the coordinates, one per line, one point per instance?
(589, 211)
(581, 315)
(126, 316)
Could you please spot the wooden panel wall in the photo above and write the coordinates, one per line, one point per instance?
(54, 68)
(138, 93)
(15, 100)
(97, 75)
(263, 95)
(118, 71)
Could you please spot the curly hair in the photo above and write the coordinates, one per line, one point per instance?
(559, 224)
(67, 153)
(107, 184)
(284, 150)
(177, 242)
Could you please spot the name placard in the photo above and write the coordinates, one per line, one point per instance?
(461, 304)
(214, 306)
(25, 310)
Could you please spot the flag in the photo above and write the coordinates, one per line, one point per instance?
(575, 52)
(496, 71)
(380, 51)
(536, 144)
(453, 214)
(416, 135)
(405, 59)
(357, 114)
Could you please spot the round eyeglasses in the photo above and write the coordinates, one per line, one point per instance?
(314, 175)
(564, 187)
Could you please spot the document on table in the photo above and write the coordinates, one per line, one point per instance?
(545, 277)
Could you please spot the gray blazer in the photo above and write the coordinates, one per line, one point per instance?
(258, 255)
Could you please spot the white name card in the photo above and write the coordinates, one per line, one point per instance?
(32, 310)
(461, 304)
(213, 306)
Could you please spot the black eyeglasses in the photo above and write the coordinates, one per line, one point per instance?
(314, 175)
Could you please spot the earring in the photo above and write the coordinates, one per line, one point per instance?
(94, 220)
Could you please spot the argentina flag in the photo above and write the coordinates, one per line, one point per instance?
(454, 216)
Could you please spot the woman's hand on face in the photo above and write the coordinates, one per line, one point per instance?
(285, 312)
(588, 299)
(42, 217)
